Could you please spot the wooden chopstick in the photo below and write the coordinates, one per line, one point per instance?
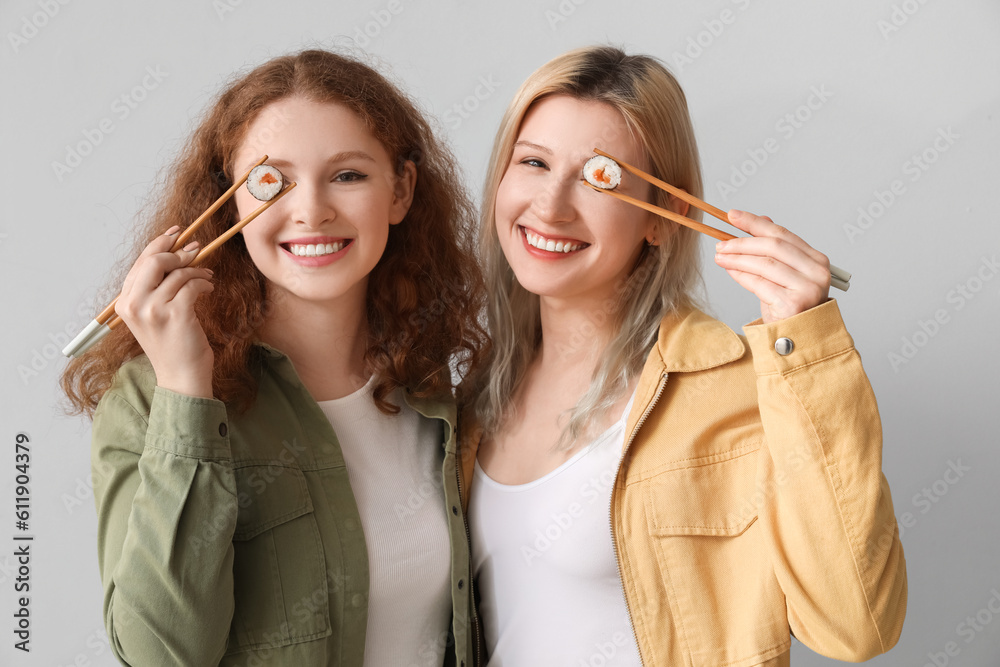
(839, 277)
(229, 233)
(109, 311)
(670, 215)
(107, 319)
(683, 195)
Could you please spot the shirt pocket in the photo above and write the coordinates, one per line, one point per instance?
(279, 567)
(703, 521)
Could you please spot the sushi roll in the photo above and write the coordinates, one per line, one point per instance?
(602, 172)
(265, 182)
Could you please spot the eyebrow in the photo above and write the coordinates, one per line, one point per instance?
(537, 147)
(343, 156)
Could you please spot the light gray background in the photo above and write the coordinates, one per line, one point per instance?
(895, 76)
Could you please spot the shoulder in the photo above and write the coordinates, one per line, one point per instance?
(132, 387)
(122, 415)
(690, 340)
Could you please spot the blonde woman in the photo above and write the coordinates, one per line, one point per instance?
(645, 485)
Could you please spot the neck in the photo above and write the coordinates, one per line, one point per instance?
(325, 342)
(574, 334)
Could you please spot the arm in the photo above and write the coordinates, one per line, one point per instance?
(166, 506)
(827, 514)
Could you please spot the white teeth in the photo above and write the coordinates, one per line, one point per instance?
(542, 243)
(316, 250)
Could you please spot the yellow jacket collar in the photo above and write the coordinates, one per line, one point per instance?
(689, 340)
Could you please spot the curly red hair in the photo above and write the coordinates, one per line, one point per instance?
(423, 296)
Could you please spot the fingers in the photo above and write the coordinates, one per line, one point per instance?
(769, 293)
(776, 259)
(155, 261)
(782, 270)
(175, 294)
(160, 277)
(181, 288)
(761, 226)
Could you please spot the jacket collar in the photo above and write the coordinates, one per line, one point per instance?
(431, 407)
(689, 340)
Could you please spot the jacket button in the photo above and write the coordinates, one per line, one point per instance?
(223, 430)
(350, 524)
(454, 510)
(358, 600)
(784, 346)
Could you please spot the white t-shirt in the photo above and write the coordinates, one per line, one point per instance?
(391, 460)
(545, 566)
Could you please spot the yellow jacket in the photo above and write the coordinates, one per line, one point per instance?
(750, 504)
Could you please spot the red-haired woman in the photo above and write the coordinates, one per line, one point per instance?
(274, 432)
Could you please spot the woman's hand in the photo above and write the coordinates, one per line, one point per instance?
(787, 274)
(157, 303)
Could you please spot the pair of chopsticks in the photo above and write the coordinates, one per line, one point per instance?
(839, 278)
(107, 319)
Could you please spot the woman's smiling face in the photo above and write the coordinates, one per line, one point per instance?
(562, 239)
(322, 240)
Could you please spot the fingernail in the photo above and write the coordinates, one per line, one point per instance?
(210, 272)
(191, 246)
(172, 231)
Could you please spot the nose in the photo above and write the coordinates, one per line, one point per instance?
(557, 201)
(312, 206)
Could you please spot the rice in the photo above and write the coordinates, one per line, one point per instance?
(602, 172)
(265, 182)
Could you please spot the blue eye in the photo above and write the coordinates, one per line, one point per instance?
(534, 162)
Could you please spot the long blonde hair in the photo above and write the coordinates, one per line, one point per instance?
(666, 276)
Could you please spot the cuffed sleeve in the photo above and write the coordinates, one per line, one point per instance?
(167, 507)
(827, 513)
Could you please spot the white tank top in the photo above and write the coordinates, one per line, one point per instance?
(545, 566)
(392, 459)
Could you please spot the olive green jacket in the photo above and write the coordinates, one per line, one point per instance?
(229, 539)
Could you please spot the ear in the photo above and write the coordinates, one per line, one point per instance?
(678, 205)
(657, 230)
(402, 192)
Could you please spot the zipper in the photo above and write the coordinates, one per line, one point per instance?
(468, 543)
(611, 510)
